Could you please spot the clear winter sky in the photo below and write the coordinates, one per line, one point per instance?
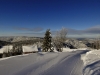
(33, 17)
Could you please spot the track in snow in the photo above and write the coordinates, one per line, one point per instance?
(70, 66)
(64, 63)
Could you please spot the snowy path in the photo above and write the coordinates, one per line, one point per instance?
(64, 63)
(69, 66)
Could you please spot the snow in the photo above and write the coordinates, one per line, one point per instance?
(30, 48)
(70, 50)
(91, 62)
(91, 57)
(13, 57)
(46, 63)
(43, 63)
(6, 48)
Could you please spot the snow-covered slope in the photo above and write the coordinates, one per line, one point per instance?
(91, 62)
(43, 63)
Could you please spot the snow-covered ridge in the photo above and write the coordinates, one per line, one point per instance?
(91, 62)
(16, 38)
(91, 57)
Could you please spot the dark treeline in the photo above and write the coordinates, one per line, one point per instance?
(3, 43)
(25, 42)
(95, 44)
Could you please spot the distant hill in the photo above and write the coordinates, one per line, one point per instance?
(71, 42)
(17, 38)
(3, 43)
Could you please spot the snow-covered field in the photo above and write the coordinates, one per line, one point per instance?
(91, 62)
(51, 63)
(43, 63)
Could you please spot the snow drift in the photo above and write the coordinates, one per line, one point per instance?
(91, 62)
(30, 48)
(6, 48)
(33, 64)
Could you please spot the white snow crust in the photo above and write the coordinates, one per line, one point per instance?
(91, 62)
(6, 48)
(30, 48)
(42, 63)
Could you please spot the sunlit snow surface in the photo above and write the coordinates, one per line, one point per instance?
(30, 48)
(91, 62)
(5, 48)
(67, 62)
(43, 63)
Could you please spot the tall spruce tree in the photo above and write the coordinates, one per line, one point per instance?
(47, 41)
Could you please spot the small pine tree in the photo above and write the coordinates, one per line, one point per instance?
(47, 41)
(17, 49)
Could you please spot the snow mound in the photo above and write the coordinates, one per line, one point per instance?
(6, 48)
(70, 50)
(91, 62)
(30, 48)
(91, 57)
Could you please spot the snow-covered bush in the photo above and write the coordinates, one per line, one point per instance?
(59, 39)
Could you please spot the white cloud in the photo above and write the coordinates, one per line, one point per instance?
(92, 32)
(35, 29)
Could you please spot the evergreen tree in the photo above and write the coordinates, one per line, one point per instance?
(47, 41)
(17, 49)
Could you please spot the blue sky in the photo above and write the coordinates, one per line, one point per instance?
(33, 17)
